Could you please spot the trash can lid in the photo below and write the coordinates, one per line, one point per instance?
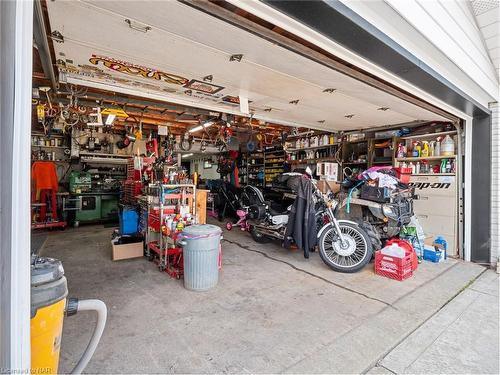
(45, 270)
(201, 230)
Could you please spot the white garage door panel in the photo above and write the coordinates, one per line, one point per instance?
(191, 44)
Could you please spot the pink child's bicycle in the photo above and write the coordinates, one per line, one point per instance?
(242, 221)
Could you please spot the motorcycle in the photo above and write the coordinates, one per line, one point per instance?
(381, 220)
(343, 245)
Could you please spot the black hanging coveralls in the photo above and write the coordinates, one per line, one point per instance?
(302, 218)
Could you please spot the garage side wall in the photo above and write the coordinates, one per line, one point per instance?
(495, 183)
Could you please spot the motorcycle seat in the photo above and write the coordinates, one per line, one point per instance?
(276, 212)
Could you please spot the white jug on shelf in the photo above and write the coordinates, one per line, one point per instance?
(447, 146)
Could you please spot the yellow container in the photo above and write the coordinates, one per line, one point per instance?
(48, 301)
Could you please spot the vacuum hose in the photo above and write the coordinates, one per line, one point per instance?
(74, 306)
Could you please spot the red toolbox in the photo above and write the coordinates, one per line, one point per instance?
(403, 174)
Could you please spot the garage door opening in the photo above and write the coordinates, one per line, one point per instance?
(158, 122)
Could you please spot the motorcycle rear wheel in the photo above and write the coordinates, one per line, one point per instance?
(258, 237)
(351, 257)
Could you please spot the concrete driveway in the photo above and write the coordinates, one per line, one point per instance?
(272, 311)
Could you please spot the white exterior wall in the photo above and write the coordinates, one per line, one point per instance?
(495, 183)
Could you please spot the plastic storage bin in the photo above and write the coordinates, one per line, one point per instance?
(392, 267)
(129, 220)
(433, 256)
(403, 174)
(201, 244)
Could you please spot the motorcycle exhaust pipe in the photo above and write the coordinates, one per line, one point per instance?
(269, 233)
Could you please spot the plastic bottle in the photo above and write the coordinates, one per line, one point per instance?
(412, 166)
(432, 148)
(325, 139)
(401, 151)
(448, 166)
(425, 149)
(437, 149)
(417, 167)
(332, 139)
(419, 149)
(442, 168)
(394, 250)
(415, 150)
(447, 146)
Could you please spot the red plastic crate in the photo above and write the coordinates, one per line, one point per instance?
(403, 174)
(393, 267)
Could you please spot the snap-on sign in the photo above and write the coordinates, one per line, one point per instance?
(429, 185)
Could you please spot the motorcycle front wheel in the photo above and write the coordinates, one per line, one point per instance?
(352, 255)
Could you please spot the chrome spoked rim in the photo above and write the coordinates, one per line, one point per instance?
(352, 253)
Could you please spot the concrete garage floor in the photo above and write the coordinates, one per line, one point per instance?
(273, 311)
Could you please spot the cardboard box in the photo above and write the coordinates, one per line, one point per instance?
(325, 186)
(127, 251)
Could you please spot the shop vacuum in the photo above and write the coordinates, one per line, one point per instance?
(49, 305)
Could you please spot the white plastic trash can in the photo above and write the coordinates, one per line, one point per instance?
(201, 245)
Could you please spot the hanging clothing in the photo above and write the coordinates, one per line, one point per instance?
(302, 218)
(44, 176)
(44, 188)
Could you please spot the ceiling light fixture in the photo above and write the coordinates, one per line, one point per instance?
(321, 121)
(200, 127)
(382, 109)
(268, 109)
(187, 155)
(349, 116)
(329, 91)
(208, 78)
(294, 102)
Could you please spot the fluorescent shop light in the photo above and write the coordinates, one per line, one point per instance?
(110, 119)
(199, 127)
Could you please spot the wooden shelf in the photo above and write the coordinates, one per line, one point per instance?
(354, 162)
(358, 141)
(36, 134)
(50, 146)
(312, 148)
(309, 161)
(430, 135)
(425, 158)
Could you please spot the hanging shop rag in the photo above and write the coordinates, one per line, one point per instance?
(301, 220)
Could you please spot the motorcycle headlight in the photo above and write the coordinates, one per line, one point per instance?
(387, 210)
